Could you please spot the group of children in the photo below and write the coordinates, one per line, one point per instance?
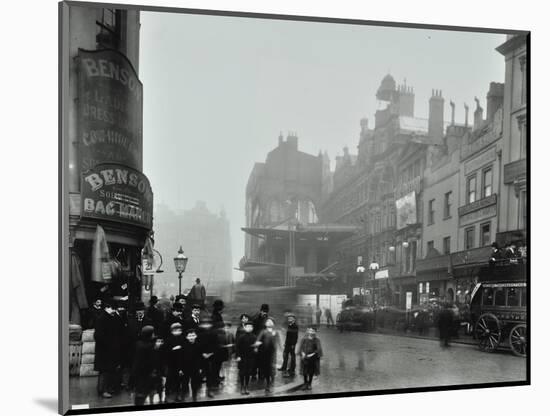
(187, 357)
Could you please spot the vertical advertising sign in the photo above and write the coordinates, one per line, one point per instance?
(408, 300)
(110, 110)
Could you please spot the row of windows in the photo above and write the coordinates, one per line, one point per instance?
(447, 207)
(504, 296)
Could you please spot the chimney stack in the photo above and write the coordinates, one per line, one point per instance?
(452, 113)
(435, 118)
(495, 99)
(478, 115)
(406, 100)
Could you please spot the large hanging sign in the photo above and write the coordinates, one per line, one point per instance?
(406, 210)
(117, 193)
(110, 110)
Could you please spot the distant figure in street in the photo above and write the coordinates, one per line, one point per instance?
(328, 317)
(246, 355)
(445, 325)
(268, 341)
(198, 293)
(309, 314)
(108, 348)
(291, 340)
(311, 353)
(318, 313)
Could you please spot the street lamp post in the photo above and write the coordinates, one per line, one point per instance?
(373, 267)
(180, 261)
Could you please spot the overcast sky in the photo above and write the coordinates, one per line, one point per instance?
(218, 90)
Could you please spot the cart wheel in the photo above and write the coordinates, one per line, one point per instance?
(518, 340)
(488, 332)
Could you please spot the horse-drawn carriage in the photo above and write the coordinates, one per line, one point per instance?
(498, 306)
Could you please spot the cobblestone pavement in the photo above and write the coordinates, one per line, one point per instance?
(355, 361)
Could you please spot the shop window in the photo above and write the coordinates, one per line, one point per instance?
(448, 205)
(487, 182)
(500, 297)
(431, 211)
(447, 245)
(485, 234)
(469, 238)
(513, 296)
(488, 296)
(420, 287)
(523, 296)
(471, 189)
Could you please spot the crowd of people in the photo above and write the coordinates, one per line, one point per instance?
(173, 354)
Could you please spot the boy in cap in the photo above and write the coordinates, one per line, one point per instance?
(174, 361)
(246, 355)
(192, 358)
(290, 346)
(176, 316)
(311, 353)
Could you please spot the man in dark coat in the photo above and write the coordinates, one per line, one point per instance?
(217, 319)
(136, 322)
(198, 293)
(290, 347)
(108, 349)
(155, 314)
(260, 319)
(445, 325)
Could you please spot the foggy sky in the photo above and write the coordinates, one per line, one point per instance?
(218, 90)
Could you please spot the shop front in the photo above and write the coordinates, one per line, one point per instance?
(110, 198)
(433, 279)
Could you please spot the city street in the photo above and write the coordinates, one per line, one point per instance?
(355, 361)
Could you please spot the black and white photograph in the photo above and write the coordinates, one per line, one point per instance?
(262, 208)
